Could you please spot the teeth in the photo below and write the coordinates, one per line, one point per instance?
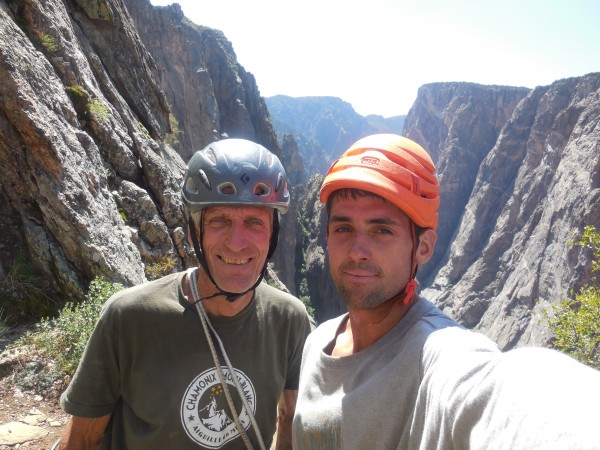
(235, 261)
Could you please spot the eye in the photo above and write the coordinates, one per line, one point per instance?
(384, 231)
(216, 222)
(255, 223)
(341, 229)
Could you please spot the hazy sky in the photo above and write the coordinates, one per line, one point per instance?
(375, 54)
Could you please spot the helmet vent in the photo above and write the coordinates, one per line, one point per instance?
(262, 190)
(279, 182)
(204, 180)
(210, 155)
(190, 186)
(227, 189)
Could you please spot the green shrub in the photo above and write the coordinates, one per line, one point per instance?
(79, 96)
(23, 293)
(159, 267)
(576, 322)
(64, 338)
(97, 110)
(172, 138)
(48, 42)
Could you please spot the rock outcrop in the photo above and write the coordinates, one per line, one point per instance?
(458, 123)
(89, 185)
(76, 124)
(510, 255)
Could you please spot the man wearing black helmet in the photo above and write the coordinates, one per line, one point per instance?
(208, 358)
(395, 372)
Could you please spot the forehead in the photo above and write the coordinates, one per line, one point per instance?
(364, 208)
(238, 211)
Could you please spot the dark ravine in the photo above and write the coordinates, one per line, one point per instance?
(93, 93)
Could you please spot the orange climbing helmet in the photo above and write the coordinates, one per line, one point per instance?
(393, 167)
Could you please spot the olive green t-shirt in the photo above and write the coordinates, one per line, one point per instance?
(149, 365)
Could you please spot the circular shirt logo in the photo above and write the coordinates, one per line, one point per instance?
(205, 414)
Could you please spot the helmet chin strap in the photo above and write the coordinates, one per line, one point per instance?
(199, 249)
(411, 286)
(408, 292)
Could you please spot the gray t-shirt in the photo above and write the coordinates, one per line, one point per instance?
(149, 365)
(430, 384)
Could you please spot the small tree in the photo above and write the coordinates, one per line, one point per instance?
(576, 322)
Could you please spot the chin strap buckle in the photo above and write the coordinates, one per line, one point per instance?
(409, 291)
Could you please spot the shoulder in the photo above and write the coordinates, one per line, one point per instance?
(276, 299)
(325, 332)
(145, 295)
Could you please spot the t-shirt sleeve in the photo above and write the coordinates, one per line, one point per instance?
(300, 331)
(95, 388)
(475, 397)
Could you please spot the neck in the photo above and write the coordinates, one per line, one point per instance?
(217, 306)
(365, 327)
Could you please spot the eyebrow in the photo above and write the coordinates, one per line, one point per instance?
(375, 221)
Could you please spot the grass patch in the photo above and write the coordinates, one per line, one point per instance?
(79, 96)
(172, 138)
(48, 42)
(97, 111)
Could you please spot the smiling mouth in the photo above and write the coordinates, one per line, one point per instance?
(237, 262)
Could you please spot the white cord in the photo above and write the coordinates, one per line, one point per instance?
(192, 276)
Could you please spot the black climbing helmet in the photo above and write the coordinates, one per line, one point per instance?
(234, 172)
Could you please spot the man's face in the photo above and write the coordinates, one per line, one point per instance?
(236, 243)
(369, 245)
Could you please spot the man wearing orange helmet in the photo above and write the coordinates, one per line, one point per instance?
(396, 372)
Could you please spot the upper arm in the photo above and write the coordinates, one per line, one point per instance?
(84, 433)
(285, 416)
(287, 403)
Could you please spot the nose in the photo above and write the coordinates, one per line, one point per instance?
(359, 247)
(237, 237)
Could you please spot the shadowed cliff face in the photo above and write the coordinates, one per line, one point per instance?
(458, 123)
(209, 92)
(88, 185)
(540, 180)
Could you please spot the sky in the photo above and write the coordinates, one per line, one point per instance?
(375, 54)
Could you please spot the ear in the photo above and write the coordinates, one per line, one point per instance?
(426, 245)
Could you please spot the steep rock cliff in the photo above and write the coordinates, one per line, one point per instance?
(209, 92)
(88, 185)
(541, 180)
(314, 278)
(77, 124)
(458, 123)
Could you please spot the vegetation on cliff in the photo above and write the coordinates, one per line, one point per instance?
(576, 321)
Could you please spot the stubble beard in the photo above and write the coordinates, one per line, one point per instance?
(360, 300)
